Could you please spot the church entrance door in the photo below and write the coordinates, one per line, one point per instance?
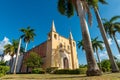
(65, 61)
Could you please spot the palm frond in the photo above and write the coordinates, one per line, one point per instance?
(65, 7)
(80, 44)
(104, 20)
(114, 18)
(103, 1)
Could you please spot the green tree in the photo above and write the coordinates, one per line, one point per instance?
(28, 35)
(18, 52)
(105, 65)
(66, 7)
(97, 44)
(111, 27)
(33, 60)
(2, 63)
(94, 5)
(11, 49)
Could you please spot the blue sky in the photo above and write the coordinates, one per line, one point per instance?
(16, 14)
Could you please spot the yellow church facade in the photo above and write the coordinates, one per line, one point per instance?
(57, 51)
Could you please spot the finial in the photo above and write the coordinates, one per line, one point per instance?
(71, 37)
(53, 26)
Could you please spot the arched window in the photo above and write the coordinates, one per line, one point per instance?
(65, 61)
(49, 38)
(74, 44)
(55, 36)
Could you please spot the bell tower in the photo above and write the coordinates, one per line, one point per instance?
(73, 52)
(52, 44)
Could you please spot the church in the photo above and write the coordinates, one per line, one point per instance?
(56, 51)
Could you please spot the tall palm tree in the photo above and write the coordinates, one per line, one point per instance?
(9, 49)
(94, 5)
(66, 7)
(111, 27)
(96, 44)
(18, 52)
(28, 35)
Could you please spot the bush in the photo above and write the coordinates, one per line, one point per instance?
(38, 71)
(76, 71)
(67, 71)
(82, 70)
(51, 69)
(2, 63)
(4, 70)
(106, 65)
(62, 71)
(118, 63)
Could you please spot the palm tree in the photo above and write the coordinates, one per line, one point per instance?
(8, 49)
(94, 5)
(18, 52)
(28, 35)
(66, 7)
(96, 44)
(111, 27)
(80, 44)
(11, 49)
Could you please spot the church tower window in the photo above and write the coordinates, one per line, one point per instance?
(74, 44)
(55, 36)
(49, 38)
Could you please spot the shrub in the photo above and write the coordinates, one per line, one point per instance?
(38, 71)
(4, 70)
(105, 65)
(118, 63)
(51, 69)
(2, 63)
(82, 70)
(62, 71)
(76, 71)
(68, 71)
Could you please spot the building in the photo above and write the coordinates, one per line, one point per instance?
(56, 51)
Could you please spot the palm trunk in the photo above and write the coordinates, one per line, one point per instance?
(98, 60)
(18, 51)
(93, 69)
(26, 46)
(11, 64)
(116, 43)
(112, 61)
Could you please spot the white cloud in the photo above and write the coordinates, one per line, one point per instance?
(103, 55)
(103, 45)
(118, 56)
(110, 41)
(118, 41)
(7, 57)
(3, 43)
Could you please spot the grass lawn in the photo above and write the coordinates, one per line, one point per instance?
(111, 76)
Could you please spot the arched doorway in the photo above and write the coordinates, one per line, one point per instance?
(65, 62)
